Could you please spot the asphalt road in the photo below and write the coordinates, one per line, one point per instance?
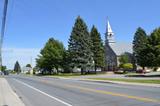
(43, 91)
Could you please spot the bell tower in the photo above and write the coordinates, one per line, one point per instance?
(109, 34)
(110, 55)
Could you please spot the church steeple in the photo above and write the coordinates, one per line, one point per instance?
(110, 55)
(109, 34)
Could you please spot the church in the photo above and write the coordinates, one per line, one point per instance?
(114, 49)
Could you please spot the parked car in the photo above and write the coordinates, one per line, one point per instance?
(140, 71)
(120, 71)
(6, 72)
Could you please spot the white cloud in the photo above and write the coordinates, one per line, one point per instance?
(23, 55)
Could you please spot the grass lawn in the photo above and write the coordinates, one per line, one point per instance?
(70, 75)
(153, 81)
(67, 74)
(73, 74)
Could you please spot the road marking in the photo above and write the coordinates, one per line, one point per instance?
(65, 103)
(115, 94)
(108, 93)
(105, 92)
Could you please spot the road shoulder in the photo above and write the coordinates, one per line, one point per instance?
(8, 97)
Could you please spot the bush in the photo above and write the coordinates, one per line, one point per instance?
(127, 66)
(121, 66)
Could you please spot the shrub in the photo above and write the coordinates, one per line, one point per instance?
(127, 66)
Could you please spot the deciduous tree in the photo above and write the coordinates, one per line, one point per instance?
(51, 55)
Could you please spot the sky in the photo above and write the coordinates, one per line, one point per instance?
(30, 23)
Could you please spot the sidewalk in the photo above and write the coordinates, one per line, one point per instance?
(7, 96)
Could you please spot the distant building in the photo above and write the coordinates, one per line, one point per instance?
(26, 70)
(113, 49)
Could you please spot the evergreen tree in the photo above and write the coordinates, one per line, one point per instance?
(140, 44)
(17, 67)
(51, 55)
(66, 62)
(154, 48)
(97, 48)
(80, 46)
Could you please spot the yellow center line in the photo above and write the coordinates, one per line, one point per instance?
(115, 94)
(105, 92)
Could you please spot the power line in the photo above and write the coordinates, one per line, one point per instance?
(3, 29)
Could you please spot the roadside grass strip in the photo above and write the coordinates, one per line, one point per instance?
(149, 81)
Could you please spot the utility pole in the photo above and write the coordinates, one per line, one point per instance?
(31, 61)
(3, 29)
(31, 71)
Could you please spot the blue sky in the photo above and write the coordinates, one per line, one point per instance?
(30, 23)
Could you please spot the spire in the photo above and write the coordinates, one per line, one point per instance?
(109, 30)
(109, 33)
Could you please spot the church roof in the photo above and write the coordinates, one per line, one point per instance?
(121, 47)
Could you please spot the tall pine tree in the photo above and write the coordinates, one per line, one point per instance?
(140, 46)
(97, 48)
(17, 67)
(80, 46)
(154, 51)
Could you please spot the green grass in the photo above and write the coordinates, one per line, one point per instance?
(64, 75)
(152, 81)
(68, 74)
(132, 73)
(72, 75)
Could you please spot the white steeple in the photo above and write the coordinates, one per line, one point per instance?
(109, 28)
(109, 34)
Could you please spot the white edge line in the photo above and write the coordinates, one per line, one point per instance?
(65, 103)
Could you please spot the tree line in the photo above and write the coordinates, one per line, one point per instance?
(146, 48)
(85, 51)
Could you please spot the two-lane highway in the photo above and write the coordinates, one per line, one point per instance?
(43, 91)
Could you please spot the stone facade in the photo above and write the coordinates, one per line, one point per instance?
(110, 55)
(111, 58)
